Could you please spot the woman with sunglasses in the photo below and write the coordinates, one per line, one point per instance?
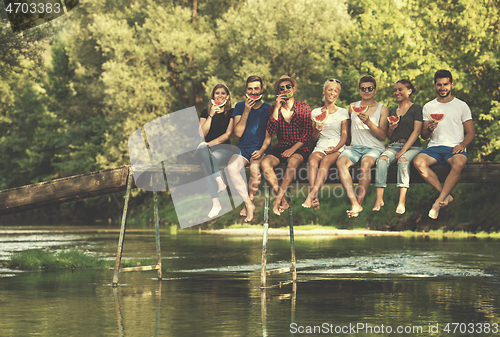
(332, 135)
(216, 125)
(404, 144)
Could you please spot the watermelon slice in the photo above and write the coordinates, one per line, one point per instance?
(393, 119)
(322, 117)
(287, 95)
(255, 97)
(437, 117)
(220, 104)
(359, 109)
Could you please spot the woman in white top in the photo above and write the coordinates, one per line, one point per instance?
(332, 134)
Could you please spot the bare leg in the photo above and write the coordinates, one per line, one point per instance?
(379, 202)
(324, 168)
(343, 164)
(314, 160)
(268, 164)
(253, 186)
(457, 164)
(365, 177)
(401, 209)
(236, 164)
(216, 208)
(220, 184)
(293, 162)
(422, 163)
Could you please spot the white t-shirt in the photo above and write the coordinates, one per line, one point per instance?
(450, 131)
(332, 128)
(361, 135)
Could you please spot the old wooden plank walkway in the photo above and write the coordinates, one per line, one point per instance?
(88, 185)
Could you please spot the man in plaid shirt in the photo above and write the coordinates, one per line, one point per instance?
(291, 121)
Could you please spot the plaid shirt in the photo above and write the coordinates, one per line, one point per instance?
(299, 129)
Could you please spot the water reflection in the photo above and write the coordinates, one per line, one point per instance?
(281, 297)
(119, 316)
(212, 287)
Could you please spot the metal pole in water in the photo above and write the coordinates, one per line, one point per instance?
(292, 240)
(157, 235)
(264, 237)
(122, 230)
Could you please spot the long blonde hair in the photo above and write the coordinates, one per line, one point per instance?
(227, 107)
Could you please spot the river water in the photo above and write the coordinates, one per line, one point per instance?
(346, 286)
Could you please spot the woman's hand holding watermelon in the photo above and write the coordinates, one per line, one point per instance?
(319, 126)
(213, 110)
(393, 125)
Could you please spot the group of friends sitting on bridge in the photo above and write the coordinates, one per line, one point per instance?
(365, 123)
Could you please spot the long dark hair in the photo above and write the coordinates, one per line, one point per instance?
(227, 107)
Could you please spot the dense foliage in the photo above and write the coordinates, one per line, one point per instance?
(69, 102)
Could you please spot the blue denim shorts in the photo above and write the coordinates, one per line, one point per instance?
(357, 152)
(441, 153)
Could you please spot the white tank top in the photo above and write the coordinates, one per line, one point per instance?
(360, 132)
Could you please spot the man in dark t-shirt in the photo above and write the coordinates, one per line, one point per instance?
(250, 122)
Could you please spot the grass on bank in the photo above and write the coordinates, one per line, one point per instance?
(39, 259)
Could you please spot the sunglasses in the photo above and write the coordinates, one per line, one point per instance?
(288, 86)
(333, 80)
(363, 89)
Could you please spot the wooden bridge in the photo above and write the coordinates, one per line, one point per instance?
(88, 185)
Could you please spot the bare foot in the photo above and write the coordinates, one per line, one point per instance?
(434, 212)
(378, 205)
(250, 209)
(401, 209)
(214, 211)
(354, 211)
(307, 203)
(220, 184)
(284, 205)
(315, 204)
(244, 211)
(276, 206)
(446, 201)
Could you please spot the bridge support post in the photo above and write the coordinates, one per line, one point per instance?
(263, 269)
(122, 230)
(121, 240)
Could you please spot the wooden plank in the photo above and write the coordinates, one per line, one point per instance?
(279, 271)
(63, 190)
(142, 268)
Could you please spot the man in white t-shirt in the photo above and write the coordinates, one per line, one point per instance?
(447, 144)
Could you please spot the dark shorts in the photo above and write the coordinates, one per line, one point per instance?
(277, 151)
(246, 152)
(441, 153)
